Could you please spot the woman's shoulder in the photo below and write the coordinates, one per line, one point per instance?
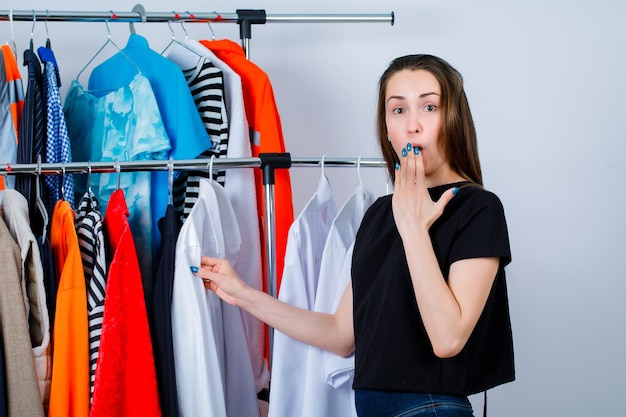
(476, 194)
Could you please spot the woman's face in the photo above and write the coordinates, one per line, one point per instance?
(413, 115)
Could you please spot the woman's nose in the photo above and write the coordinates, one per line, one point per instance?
(415, 125)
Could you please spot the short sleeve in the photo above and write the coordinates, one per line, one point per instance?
(481, 230)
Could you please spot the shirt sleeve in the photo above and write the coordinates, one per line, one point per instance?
(482, 230)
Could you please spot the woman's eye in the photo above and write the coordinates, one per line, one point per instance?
(430, 107)
(398, 111)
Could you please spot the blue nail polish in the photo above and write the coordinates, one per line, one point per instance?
(403, 151)
(194, 269)
(416, 150)
(397, 166)
(455, 190)
(408, 146)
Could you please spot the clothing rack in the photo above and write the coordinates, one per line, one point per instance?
(245, 18)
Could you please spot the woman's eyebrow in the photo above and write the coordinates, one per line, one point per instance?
(432, 93)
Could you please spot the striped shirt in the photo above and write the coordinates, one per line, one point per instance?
(92, 252)
(206, 84)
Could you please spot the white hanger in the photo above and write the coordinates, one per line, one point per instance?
(13, 46)
(358, 170)
(211, 167)
(118, 170)
(41, 207)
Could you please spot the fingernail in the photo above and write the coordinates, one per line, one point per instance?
(455, 190)
(194, 269)
(403, 151)
(408, 146)
(416, 150)
(397, 166)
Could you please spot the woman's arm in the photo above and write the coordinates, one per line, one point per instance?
(332, 332)
(449, 310)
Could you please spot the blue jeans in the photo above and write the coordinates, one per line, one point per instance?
(406, 404)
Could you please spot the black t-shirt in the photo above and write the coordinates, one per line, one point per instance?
(393, 351)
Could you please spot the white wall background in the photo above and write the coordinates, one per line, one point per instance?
(546, 82)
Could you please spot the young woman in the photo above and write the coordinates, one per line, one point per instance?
(427, 313)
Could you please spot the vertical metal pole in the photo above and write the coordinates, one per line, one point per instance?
(269, 162)
(270, 251)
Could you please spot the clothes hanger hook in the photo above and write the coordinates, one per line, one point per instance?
(13, 45)
(32, 29)
(39, 165)
(45, 22)
(358, 170)
(106, 22)
(182, 25)
(323, 166)
(211, 167)
(118, 170)
(89, 190)
(170, 181)
(169, 25)
(218, 17)
(63, 180)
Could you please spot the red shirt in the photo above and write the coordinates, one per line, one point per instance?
(125, 383)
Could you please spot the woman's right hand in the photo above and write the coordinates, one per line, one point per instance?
(219, 276)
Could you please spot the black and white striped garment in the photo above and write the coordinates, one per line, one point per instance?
(92, 252)
(206, 83)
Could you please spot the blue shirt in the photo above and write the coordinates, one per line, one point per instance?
(184, 127)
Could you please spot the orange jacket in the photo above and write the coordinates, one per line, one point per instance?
(69, 390)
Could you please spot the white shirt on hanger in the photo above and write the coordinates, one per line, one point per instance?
(213, 370)
(198, 376)
(321, 398)
(303, 257)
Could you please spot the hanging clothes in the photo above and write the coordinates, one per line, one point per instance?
(31, 136)
(11, 106)
(266, 136)
(160, 316)
(15, 214)
(206, 84)
(184, 128)
(240, 187)
(198, 376)
(22, 395)
(125, 383)
(69, 391)
(210, 230)
(92, 251)
(124, 124)
(321, 397)
(57, 140)
(303, 257)
(237, 373)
